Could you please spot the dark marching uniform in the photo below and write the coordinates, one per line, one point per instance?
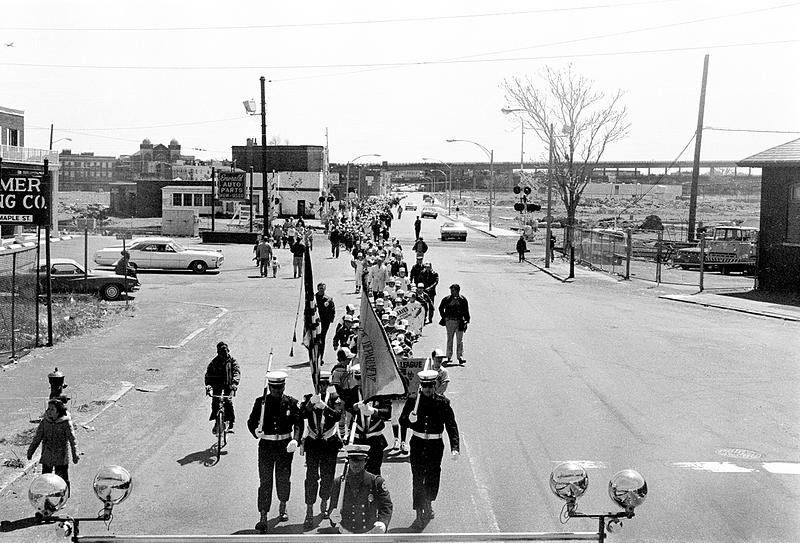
(321, 446)
(365, 502)
(434, 415)
(372, 434)
(281, 424)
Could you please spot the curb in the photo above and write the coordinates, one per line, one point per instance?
(548, 272)
(33, 462)
(682, 298)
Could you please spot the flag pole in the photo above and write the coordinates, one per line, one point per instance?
(265, 394)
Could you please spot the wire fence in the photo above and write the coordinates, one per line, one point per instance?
(18, 301)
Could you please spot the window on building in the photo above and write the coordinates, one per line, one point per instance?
(793, 217)
(198, 200)
(13, 137)
(206, 200)
(187, 200)
(176, 199)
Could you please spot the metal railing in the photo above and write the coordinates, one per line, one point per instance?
(28, 155)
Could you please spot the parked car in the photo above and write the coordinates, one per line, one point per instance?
(453, 230)
(411, 207)
(66, 276)
(163, 254)
(429, 212)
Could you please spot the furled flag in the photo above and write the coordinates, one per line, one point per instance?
(311, 324)
(379, 373)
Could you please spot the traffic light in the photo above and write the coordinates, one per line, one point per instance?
(533, 207)
(517, 190)
(527, 190)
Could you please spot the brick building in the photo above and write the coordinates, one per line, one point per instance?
(86, 171)
(12, 127)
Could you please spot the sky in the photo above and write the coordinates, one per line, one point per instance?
(394, 78)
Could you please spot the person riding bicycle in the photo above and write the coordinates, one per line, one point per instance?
(222, 377)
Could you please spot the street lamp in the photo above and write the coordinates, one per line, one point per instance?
(444, 174)
(449, 180)
(507, 111)
(347, 180)
(490, 154)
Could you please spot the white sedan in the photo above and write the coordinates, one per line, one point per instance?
(163, 254)
(453, 230)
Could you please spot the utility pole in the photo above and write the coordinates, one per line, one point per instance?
(264, 186)
(698, 138)
(547, 248)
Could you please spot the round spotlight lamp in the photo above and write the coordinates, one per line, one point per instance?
(628, 489)
(569, 481)
(112, 484)
(48, 493)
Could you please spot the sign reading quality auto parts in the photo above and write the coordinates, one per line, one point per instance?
(24, 199)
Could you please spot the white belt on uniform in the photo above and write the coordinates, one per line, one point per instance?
(327, 434)
(275, 437)
(426, 436)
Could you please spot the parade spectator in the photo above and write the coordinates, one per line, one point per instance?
(522, 247)
(56, 434)
(454, 310)
(417, 227)
(298, 250)
(264, 256)
(334, 238)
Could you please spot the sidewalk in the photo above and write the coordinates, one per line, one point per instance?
(559, 269)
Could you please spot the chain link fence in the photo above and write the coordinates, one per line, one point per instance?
(602, 249)
(18, 304)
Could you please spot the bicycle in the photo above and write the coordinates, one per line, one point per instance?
(220, 424)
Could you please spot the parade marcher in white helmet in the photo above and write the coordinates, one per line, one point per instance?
(428, 416)
(366, 506)
(275, 422)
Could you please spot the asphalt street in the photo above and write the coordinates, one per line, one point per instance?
(704, 403)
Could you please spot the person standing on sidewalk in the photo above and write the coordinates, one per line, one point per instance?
(417, 227)
(222, 377)
(298, 250)
(57, 437)
(522, 247)
(454, 310)
(275, 421)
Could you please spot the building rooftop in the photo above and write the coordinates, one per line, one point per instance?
(786, 154)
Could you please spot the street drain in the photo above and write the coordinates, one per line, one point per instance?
(740, 454)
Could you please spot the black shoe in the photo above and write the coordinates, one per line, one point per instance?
(462, 361)
(308, 523)
(283, 517)
(230, 428)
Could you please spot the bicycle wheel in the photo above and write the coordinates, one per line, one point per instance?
(220, 431)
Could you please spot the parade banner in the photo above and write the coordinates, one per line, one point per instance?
(409, 368)
(414, 313)
(379, 373)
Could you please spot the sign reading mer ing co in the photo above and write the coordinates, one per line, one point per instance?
(24, 199)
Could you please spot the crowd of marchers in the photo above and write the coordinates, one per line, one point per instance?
(334, 417)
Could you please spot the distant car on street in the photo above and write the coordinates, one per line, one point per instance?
(453, 230)
(163, 254)
(67, 276)
(411, 207)
(429, 212)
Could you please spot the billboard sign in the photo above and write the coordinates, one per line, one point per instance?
(25, 198)
(232, 185)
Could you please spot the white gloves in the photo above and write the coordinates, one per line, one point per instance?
(378, 528)
(316, 402)
(335, 517)
(412, 417)
(292, 446)
(455, 455)
(366, 409)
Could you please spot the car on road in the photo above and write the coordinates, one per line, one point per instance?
(453, 230)
(163, 254)
(429, 212)
(411, 207)
(67, 276)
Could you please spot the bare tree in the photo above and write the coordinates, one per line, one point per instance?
(586, 121)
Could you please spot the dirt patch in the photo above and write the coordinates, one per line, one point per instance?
(21, 439)
(74, 315)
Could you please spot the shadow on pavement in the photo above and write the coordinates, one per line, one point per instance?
(207, 457)
(21, 524)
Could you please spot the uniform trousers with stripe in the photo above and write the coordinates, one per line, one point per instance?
(426, 469)
(273, 458)
(320, 467)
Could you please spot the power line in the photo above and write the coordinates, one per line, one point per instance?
(152, 126)
(383, 65)
(338, 23)
(751, 130)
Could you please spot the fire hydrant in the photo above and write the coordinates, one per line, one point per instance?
(57, 385)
